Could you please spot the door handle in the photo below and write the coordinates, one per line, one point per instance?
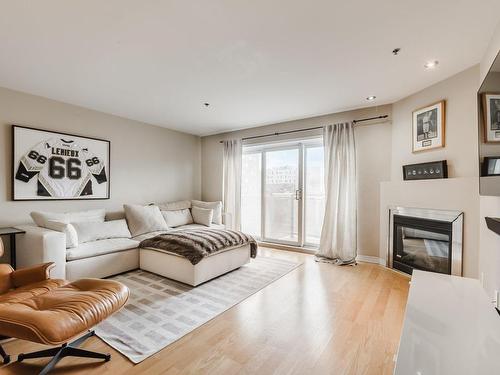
(298, 194)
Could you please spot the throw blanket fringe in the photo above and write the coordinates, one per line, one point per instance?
(197, 244)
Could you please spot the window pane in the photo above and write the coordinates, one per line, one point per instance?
(281, 207)
(251, 194)
(314, 194)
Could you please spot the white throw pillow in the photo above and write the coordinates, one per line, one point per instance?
(144, 219)
(216, 206)
(178, 217)
(174, 206)
(99, 231)
(41, 218)
(66, 228)
(202, 216)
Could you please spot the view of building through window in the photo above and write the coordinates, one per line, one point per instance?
(283, 194)
(281, 205)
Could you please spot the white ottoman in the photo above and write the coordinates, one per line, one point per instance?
(178, 268)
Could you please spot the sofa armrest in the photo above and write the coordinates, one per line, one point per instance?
(40, 245)
(30, 275)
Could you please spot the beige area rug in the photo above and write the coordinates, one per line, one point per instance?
(161, 311)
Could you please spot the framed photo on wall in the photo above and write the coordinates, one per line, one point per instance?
(428, 127)
(491, 117)
(49, 165)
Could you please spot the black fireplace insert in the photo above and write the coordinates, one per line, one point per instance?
(423, 244)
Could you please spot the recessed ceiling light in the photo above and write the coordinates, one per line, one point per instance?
(371, 98)
(431, 64)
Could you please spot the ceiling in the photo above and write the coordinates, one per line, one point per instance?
(256, 62)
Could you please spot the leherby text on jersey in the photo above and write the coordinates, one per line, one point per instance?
(65, 152)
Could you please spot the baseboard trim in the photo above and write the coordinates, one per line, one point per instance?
(303, 250)
(370, 259)
(360, 258)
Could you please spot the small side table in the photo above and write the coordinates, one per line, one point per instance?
(11, 232)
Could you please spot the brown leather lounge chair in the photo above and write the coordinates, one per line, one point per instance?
(36, 308)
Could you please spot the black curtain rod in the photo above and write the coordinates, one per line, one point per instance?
(307, 129)
(371, 118)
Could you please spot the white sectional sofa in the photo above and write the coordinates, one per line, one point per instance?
(104, 257)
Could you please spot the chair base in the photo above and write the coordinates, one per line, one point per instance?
(5, 356)
(66, 350)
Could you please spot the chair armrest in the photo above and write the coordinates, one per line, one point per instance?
(5, 277)
(40, 245)
(30, 275)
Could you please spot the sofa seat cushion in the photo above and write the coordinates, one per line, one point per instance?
(30, 291)
(52, 318)
(101, 247)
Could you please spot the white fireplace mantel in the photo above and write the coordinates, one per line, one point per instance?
(453, 195)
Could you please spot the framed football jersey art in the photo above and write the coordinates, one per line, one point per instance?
(50, 165)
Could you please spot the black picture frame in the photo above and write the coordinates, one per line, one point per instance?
(425, 171)
(57, 133)
(485, 165)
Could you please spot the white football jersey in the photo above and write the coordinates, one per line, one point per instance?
(64, 168)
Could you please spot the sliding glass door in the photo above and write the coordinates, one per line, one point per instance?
(283, 193)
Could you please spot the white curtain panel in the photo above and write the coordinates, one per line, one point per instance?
(338, 242)
(232, 184)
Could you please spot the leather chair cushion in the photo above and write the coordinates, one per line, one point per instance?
(30, 291)
(62, 311)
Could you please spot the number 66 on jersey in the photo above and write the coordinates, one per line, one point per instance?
(53, 166)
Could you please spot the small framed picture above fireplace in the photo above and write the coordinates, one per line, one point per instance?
(428, 127)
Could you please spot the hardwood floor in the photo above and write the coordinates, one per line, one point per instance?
(318, 319)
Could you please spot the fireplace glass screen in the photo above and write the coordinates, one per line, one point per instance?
(421, 244)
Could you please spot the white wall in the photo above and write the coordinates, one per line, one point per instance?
(460, 150)
(489, 243)
(461, 190)
(373, 164)
(148, 163)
